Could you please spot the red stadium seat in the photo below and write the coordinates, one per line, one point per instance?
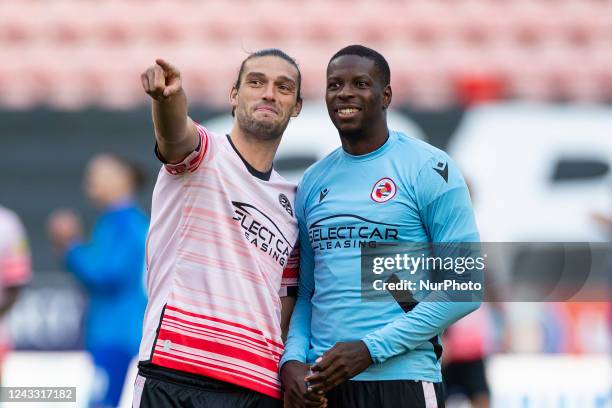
(439, 50)
(14, 28)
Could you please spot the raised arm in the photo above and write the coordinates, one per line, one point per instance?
(175, 132)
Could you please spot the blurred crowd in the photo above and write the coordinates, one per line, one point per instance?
(483, 49)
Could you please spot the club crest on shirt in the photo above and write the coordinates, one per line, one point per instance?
(383, 190)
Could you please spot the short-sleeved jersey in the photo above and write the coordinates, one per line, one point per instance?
(221, 251)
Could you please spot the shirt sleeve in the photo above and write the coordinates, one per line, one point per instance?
(446, 211)
(444, 202)
(298, 339)
(111, 258)
(15, 261)
(193, 160)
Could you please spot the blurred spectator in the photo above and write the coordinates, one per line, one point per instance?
(606, 222)
(603, 220)
(467, 343)
(111, 267)
(15, 269)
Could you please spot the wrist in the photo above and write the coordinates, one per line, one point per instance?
(370, 345)
(366, 352)
(290, 363)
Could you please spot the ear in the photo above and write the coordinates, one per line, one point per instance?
(297, 109)
(387, 96)
(233, 96)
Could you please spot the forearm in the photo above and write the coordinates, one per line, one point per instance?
(92, 266)
(288, 304)
(426, 320)
(175, 132)
(298, 339)
(84, 264)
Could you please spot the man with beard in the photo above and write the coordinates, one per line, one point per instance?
(381, 185)
(220, 251)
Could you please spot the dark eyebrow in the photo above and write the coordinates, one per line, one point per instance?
(255, 74)
(283, 78)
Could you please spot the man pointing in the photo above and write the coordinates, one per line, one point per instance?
(221, 252)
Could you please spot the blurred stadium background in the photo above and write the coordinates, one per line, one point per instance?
(518, 91)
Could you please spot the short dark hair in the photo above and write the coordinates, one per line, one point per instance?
(274, 52)
(379, 61)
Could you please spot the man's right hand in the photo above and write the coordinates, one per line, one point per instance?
(161, 80)
(176, 134)
(63, 227)
(293, 374)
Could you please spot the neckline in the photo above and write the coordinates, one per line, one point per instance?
(265, 176)
(373, 154)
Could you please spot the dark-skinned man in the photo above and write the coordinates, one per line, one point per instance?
(380, 186)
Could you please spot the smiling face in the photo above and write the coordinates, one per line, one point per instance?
(355, 95)
(266, 97)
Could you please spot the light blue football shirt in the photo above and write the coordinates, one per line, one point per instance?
(405, 191)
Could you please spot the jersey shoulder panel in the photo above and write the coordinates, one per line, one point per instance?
(418, 150)
(316, 170)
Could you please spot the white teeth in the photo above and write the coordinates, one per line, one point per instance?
(347, 111)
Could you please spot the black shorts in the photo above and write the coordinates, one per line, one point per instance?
(386, 394)
(466, 378)
(167, 389)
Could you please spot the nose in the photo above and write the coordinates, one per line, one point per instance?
(269, 92)
(346, 92)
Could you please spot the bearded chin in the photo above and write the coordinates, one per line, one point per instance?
(263, 130)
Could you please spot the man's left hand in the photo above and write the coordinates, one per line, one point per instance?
(343, 361)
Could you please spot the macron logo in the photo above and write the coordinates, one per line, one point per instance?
(442, 170)
(323, 194)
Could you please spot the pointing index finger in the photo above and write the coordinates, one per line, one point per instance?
(166, 66)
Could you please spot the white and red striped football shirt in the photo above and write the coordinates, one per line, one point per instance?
(15, 263)
(221, 251)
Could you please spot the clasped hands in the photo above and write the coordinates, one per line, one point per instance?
(306, 386)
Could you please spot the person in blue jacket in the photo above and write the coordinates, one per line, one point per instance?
(111, 267)
(381, 186)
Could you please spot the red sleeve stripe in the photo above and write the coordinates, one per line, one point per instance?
(193, 161)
